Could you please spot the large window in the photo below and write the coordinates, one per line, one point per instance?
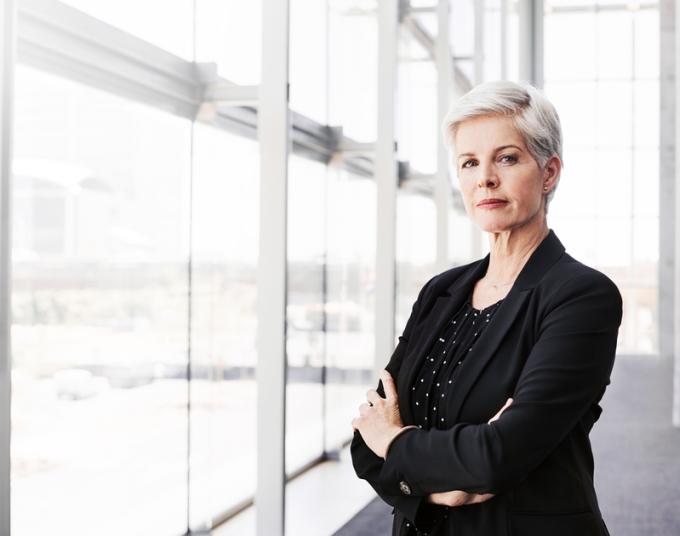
(223, 392)
(350, 317)
(606, 206)
(100, 295)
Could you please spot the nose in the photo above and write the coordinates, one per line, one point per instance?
(487, 177)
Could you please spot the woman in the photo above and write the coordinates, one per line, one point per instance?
(479, 425)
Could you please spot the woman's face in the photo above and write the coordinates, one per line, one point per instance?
(492, 162)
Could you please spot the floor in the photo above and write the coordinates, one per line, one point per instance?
(317, 503)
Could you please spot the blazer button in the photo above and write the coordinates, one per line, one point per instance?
(405, 488)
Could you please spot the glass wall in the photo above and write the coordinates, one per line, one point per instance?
(606, 206)
(305, 339)
(229, 34)
(351, 217)
(350, 317)
(135, 238)
(417, 141)
(353, 67)
(223, 392)
(100, 298)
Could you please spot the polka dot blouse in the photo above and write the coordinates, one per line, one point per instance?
(443, 363)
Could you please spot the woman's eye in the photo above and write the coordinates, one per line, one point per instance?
(465, 164)
(508, 158)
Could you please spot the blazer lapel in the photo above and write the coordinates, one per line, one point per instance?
(427, 330)
(452, 298)
(484, 350)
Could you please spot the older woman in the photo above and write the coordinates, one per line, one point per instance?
(480, 423)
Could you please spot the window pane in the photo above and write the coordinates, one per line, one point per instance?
(416, 251)
(230, 34)
(567, 57)
(417, 132)
(305, 312)
(309, 59)
(614, 114)
(614, 43)
(647, 43)
(223, 322)
(611, 182)
(353, 63)
(493, 48)
(577, 107)
(646, 195)
(575, 196)
(646, 94)
(100, 308)
(607, 203)
(351, 300)
(462, 32)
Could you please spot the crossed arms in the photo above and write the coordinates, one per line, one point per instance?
(564, 374)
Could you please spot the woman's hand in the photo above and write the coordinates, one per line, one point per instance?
(379, 420)
(461, 498)
(458, 498)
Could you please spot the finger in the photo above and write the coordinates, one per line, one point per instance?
(388, 385)
(495, 417)
(373, 397)
(457, 498)
(505, 406)
(363, 408)
(480, 498)
(355, 423)
(500, 411)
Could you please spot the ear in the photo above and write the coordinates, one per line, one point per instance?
(551, 171)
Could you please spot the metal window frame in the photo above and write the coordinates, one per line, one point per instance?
(443, 187)
(273, 126)
(479, 7)
(669, 211)
(386, 183)
(7, 50)
(531, 41)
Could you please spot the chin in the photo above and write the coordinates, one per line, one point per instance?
(493, 226)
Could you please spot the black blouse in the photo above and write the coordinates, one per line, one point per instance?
(441, 365)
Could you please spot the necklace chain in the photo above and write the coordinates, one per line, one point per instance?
(496, 285)
(501, 284)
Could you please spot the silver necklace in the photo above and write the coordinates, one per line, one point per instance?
(501, 284)
(497, 285)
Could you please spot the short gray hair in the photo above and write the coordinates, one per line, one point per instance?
(533, 115)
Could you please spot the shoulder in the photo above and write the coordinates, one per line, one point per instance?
(570, 281)
(569, 272)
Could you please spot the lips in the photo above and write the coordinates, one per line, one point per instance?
(491, 202)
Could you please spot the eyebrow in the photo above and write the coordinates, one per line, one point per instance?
(496, 150)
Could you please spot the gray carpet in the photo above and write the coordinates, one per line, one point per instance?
(637, 457)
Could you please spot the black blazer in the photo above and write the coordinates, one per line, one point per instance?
(551, 346)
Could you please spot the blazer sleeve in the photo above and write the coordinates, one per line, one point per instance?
(368, 465)
(566, 372)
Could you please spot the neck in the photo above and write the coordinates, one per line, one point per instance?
(510, 250)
